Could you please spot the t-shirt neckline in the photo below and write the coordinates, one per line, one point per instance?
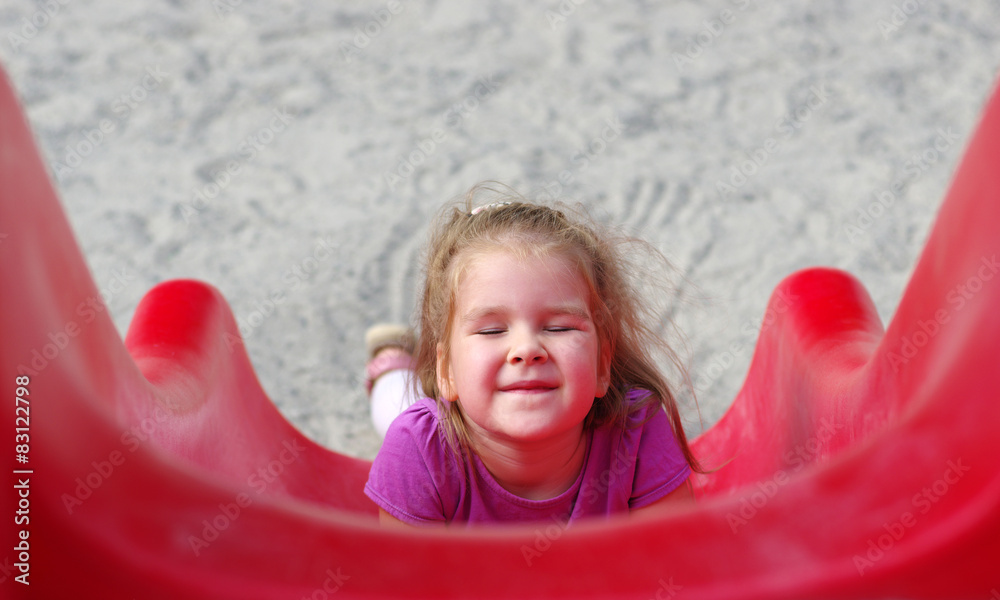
(502, 492)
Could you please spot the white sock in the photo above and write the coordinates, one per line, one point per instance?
(392, 394)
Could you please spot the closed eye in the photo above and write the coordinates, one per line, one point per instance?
(490, 331)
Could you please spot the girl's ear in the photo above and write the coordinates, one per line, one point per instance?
(445, 382)
(603, 371)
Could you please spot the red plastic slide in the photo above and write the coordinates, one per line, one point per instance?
(859, 463)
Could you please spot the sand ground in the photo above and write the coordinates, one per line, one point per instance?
(292, 153)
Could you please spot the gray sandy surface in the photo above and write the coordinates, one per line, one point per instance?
(292, 154)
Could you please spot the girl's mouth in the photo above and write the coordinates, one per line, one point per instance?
(529, 387)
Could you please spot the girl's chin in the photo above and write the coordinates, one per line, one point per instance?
(529, 432)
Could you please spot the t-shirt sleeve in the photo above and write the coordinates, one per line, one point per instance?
(408, 477)
(660, 466)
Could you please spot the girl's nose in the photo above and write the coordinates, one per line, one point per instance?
(526, 347)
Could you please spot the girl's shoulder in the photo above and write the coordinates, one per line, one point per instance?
(416, 443)
(642, 404)
(420, 421)
(423, 408)
(639, 395)
(418, 434)
(414, 477)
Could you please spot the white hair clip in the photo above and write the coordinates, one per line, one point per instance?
(479, 209)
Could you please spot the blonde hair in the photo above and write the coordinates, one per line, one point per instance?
(624, 326)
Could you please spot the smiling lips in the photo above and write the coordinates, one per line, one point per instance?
(529, 387)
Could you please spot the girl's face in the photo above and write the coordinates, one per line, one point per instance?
(524, 361)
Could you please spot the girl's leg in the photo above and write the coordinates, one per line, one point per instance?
(389, 373)
(391, 394)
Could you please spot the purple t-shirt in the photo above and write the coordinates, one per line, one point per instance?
(419, 480)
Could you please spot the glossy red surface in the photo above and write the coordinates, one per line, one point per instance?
(855, 462)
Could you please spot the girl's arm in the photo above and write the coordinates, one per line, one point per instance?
(387, 520)
(683, 494)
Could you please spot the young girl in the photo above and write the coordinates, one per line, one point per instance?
(543, 398)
